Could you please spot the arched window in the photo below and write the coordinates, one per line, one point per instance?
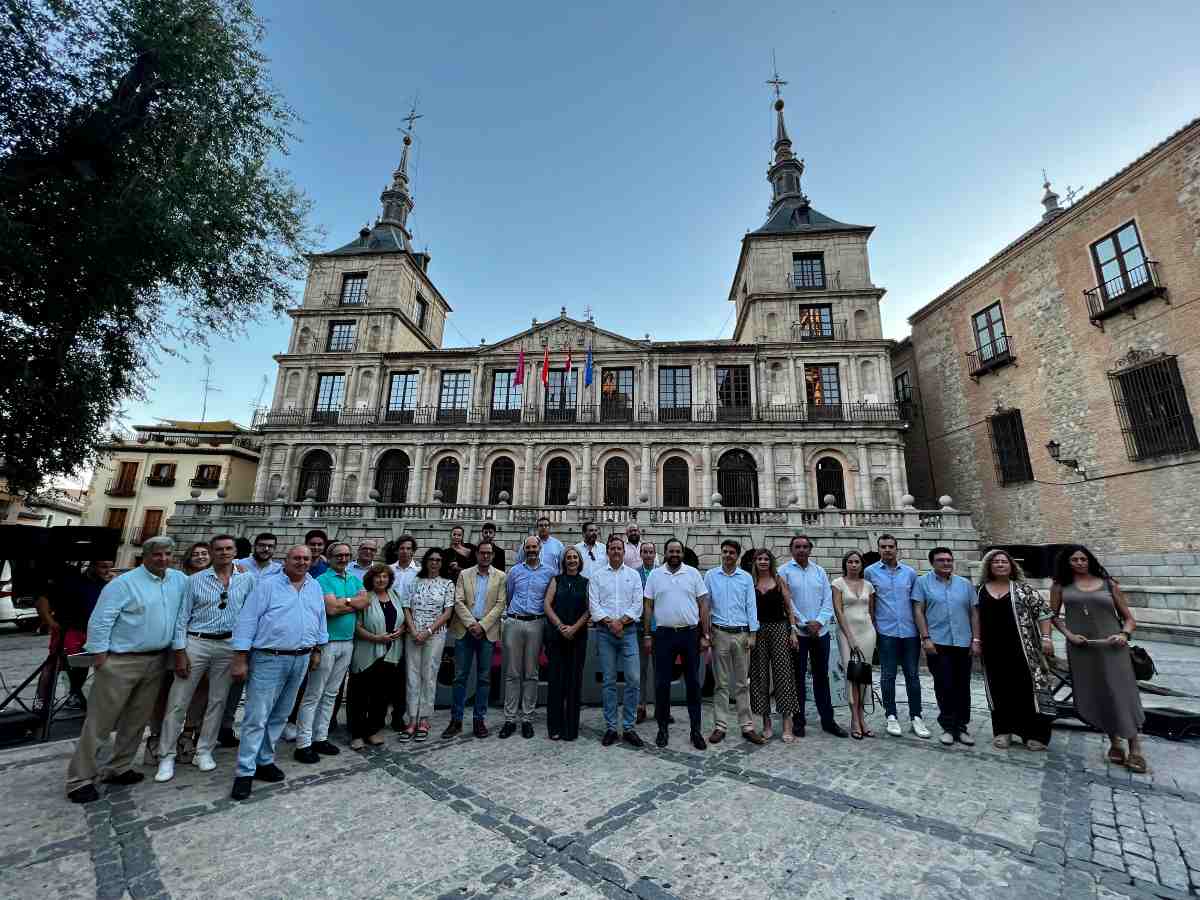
(504, 474)
(446, 479)
(676, 483)
(831, 481)
(881, 494)
(391, 477)
(616, 482)
(737, 480)
(558, 482)
(316, 471)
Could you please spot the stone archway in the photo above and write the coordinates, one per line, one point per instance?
(737, 479)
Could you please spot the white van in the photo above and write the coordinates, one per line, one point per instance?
(19, 611)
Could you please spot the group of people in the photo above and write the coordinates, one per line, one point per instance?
(288, 632)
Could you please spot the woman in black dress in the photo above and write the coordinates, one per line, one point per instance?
(1014, 635)
(459, 555)
(566, 646)
(771, 658)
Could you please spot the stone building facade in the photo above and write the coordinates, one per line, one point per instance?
(797, 406)
(1080, 339)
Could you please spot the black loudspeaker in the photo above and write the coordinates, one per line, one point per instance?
(33, 552)
(1173, 724)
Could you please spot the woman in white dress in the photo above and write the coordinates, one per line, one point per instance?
(853, 597)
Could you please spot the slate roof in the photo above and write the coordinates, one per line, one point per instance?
(382, 239)
(795, 216)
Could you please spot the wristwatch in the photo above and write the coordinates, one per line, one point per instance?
(924, 637)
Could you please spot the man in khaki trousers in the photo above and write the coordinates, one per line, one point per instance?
(734, 627)
(129, 631)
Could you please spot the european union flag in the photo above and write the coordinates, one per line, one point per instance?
(587, 369)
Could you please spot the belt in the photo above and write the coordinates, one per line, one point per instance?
(661, 627)
(136, 652)
(303, 651)
(733, 629)
(521, 618)
(215, 636)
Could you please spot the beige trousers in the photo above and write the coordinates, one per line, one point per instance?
(207, 656)
(522, 645)
(122, 697)
(731, 668)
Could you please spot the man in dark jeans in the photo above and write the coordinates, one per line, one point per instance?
(898, 643)
(65, 605)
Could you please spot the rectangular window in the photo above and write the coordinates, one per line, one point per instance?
(506, 397)
(675, 394)
(354, 289)
(1009, 451)
(207, 476)
(815, 322)
(341, 337)
(733, 393)
(823, 391)
(402, 398)
(991, 342)
(331, 391)
(808, 270)
(455, 397)
(151, 526)
(903, 385)
(560, 395)
(1120, 262)
(616, 395)
(422, 312)
(116, 518)
(124, 483)
(161, 475)
(1153, 408)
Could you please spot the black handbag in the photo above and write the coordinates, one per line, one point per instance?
(1143, 666)
(858, 670)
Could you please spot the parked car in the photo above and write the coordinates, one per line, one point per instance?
(19, 611)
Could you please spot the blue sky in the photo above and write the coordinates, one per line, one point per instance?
(613, 155)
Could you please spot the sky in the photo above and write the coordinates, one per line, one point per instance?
(613, 155)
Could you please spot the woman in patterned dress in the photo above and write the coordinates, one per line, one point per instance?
(428, 603)
(771, 658)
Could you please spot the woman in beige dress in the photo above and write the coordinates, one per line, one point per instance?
(852, 599)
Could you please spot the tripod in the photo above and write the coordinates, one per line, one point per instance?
(46, 704)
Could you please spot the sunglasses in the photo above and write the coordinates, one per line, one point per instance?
(224, 600)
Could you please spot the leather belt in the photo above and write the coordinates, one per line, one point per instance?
(215, 636)
(733, 629)
(661, 627)
(303, 651)
(521, 618)
(136, 652)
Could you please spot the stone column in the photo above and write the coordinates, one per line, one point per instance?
(286, 477)
(706, 482)
(866, 498)
(528, 480)
(366, 472)
(473, 479)
(416, 485)
(793, 382)
(586, 477)
(899, 475)
(477, 373)
(852, 393)
(768, 495)
(263, 476)
(642, 394)
(644, 481)
(801, 387)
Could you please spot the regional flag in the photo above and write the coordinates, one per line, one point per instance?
(546, 367)
(520, 379)
(587, 368)
(568, 367)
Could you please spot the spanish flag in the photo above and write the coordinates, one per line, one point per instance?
(546, 367)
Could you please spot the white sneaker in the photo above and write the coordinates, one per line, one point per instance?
(166, 769)
(290, 732)
(893, 726)
(204, 762)
(919, 728)
(947, 738)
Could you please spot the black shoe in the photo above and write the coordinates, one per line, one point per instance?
(610, 738)
(835, 729)
(325, 748)
(641, 715)
(509, 729)
(242, 785)
(226, 738)
(662, 739)
(526, 729)
(698, 741)
(798, 730)
(632, 738)
(479, 728)
(270, 772)
(453, 729)
(305, 755)
(670, 720)
(127, 777)
(84, 794)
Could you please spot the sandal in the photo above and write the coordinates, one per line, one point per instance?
(768, 731)
(1035, 746)
(857, 735)
(1002, 741)
(407, 734)
(1136, 763)
(356, 744)
(1116, 755)
(422, 731)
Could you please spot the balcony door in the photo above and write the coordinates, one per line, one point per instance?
(126, 479)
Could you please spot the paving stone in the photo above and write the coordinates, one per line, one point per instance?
(1104, 845)
(1108, 860)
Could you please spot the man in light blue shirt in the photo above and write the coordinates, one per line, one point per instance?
(522, 635)
(367, 548)
(261, 562)
(946, 615)
(551, 548)
(898, 644)
(129, 632)
(812, 599)
(734, 619)
(282, 624)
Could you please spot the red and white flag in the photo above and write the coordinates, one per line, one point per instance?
(520, 380)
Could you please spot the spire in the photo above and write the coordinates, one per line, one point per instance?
(786, 170)
(1049, 200)
(783, 143)
(396, 199)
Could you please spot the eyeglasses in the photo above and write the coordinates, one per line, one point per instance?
(341, 556)
(224, 600)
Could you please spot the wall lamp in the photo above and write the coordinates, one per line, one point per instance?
(1055, 450)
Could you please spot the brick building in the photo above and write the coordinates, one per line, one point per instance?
(1057, 383)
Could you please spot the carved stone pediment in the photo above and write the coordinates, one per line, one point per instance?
(561, 333)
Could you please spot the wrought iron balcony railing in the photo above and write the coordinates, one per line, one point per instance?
(989, 357)
(1125, 291)
(819, 331)
(160, 480)
(121, 487)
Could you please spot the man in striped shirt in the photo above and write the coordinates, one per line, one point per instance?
(210, 608)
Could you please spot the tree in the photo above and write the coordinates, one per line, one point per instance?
(140, 208)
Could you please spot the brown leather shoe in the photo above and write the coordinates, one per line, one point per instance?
(641, 715)
(454, 728)
(717, 736)
(480, 729)
(754, 737)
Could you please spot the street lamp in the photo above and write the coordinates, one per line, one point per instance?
(1054, 448)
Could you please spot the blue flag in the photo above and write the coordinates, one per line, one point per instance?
(587, 369)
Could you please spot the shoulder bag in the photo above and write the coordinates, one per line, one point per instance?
(858, 670)
(1143, 666)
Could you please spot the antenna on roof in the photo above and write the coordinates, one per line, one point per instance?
(257, 405)
(207, 385)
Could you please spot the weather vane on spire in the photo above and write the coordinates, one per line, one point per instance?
(775, 81)
(411, 118)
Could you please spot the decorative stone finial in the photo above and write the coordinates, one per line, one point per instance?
(945, 500)
(716, 499)
(907, 501)
(793, 499)
(504, 498)
(221, 493)
(572, 497)
(437, 496)
(828, 500)
(373, 494)
(195, 492)
(310, 494)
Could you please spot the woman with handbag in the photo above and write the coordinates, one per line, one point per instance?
(1098, 624)
(1014, 641)
(565, 640)
(853, 596)
(771, 656)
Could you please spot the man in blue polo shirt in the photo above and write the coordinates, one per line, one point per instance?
(898, 644)
(521, 633)
(944, 609)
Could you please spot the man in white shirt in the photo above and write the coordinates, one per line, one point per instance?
(676, 597)
(594, 556)
(633, 547)
(615, 603)
(365, 558)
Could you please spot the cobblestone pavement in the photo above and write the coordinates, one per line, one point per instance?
(889, 817)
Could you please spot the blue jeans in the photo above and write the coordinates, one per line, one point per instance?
(905, 651)
(610, 649)
(270, 693)
(470, 650)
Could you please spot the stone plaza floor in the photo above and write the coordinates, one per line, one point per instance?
(820, 818)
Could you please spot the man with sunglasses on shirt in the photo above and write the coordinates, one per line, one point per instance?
(211, 605)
